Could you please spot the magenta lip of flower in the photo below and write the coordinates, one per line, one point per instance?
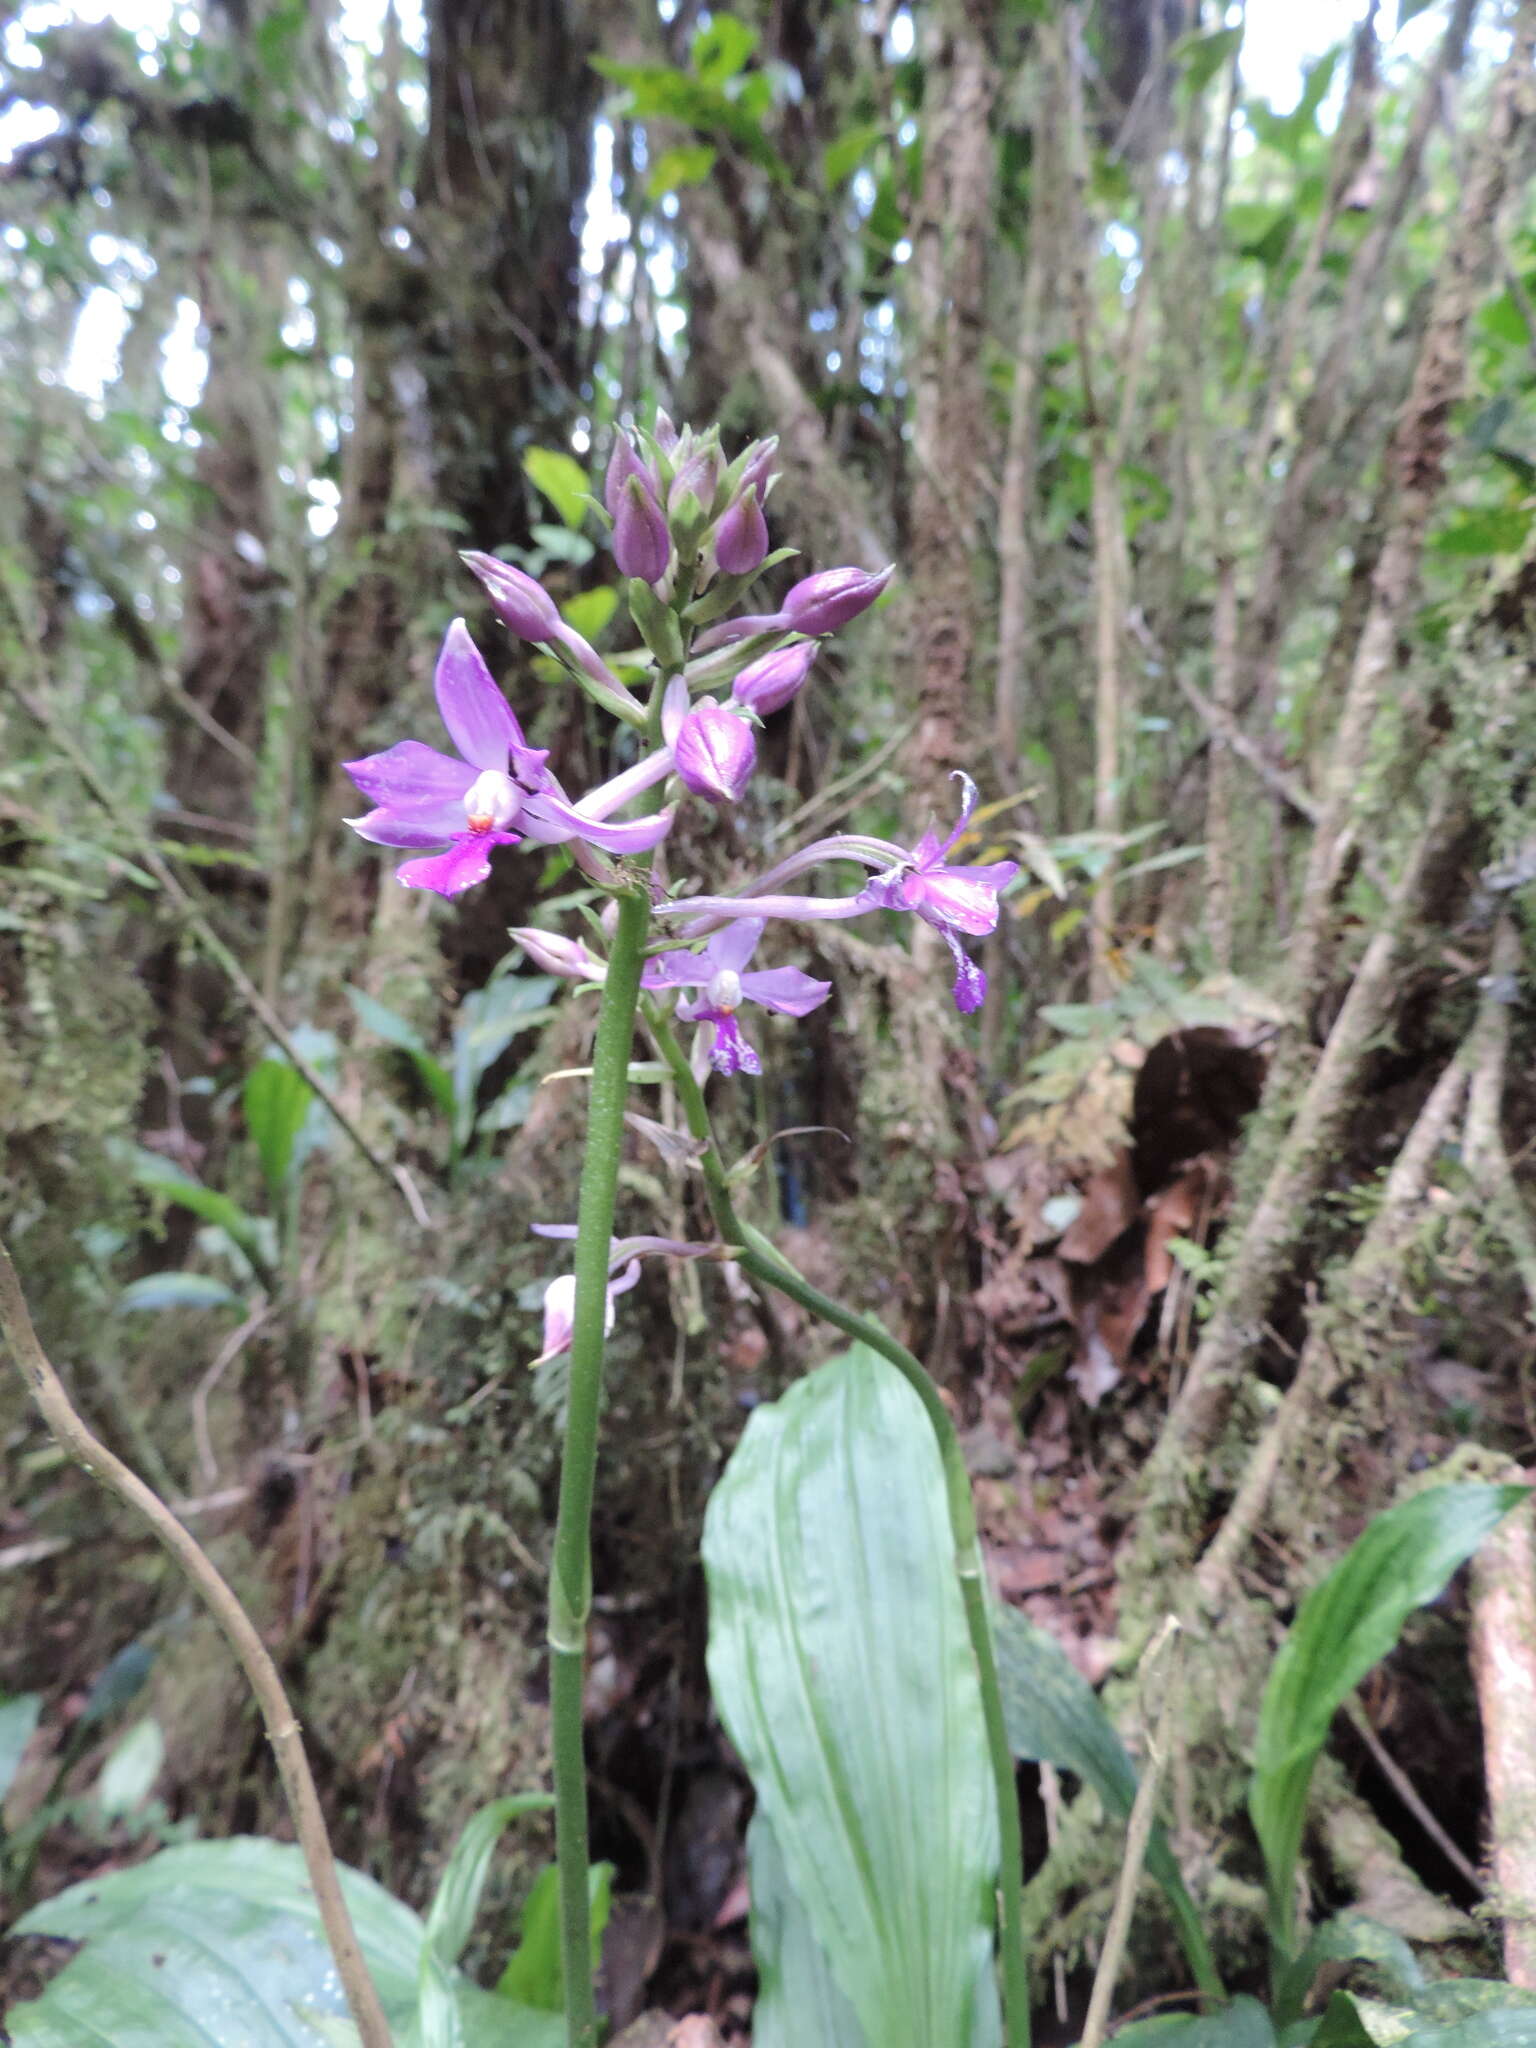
(642, 540)
(524, 606)
(423, 798)
(720, 973)
(741, 538)
(769, 683)
(715, 753)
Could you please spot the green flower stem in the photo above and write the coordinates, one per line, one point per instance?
(570, 1578)
(765, 1263)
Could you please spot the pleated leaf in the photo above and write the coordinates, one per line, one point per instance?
(798, 2004)
(842, 1669)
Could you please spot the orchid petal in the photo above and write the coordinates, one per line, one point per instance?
(675, 970)
(623, 788)
(674, 708)
(478, 717)
(970, 981)
(947, 896)
(466, 862)
(786, 990)
(549, 820)
(411, 779)
(733, 947)
(388, 828)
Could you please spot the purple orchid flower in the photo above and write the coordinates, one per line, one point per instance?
(423, 798)
(624, 1256)
(719, 972)
(951, 899)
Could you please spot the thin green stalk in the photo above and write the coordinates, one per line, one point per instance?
(570, 1578)
(760, 1258)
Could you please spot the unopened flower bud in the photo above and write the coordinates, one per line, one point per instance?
(741, 538)
(523, 606)
(698, 477)
(568, 958)
(664, 432)
(624, 463)
(828, 600)
(769, 683)
(715, 753)
(758, 467)
(642, 543)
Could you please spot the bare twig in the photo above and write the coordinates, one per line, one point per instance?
(1403, 1786)
(224, 1358)
(48, 1391)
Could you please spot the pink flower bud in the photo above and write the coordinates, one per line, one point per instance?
(523, 606)
(698, 478)
(624, 463)
(568, 958)
(741, 538)
(758, 469)
(664, 432)
(828, 600)
(715, 753)
(642, 542)
(769, 683)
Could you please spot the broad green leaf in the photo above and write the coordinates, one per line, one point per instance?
(590, 611)
(1346, 1625)
(276, 1099)
(722, 49)
(1054, 1716)
(1242, 2024)
(842, 1670)
(1199, 58)
(129, 1773)
(562, 480)
(1496, 530)
(1348, 1938)
(18, 1718)
(535, 1976)
(177, 1290)
(847, 151)
(394, 1030)
(1509, 2026)
(688, 163)
(221, 1942)
(161, 1177)
(798, 2003)
(451, 1916)
(488, 1021)
(1341, 2025)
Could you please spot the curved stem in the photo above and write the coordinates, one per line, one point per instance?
(570, 1578)
(48, 1391)
(765, 1263)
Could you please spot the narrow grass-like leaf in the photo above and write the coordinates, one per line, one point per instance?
(842, 1669)
(276, 1100)
(1347, 1624)
(1054, 1716)
(18, 1718)
(451, 1916)
(176, 1290)
(534, 1976)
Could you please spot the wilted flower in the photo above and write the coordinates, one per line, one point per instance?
(719, 972)
(741, 538)
(624, 1256)
(769, 683)
(423, 798)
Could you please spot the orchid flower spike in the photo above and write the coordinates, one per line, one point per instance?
(424, 798)
(952, 899)
(720, 974)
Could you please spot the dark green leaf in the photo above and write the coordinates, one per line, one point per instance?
(1054, 1716)
(160, 1177)
(18, 1718)
(1496, 530)
(177, 1290)
(1346, 1625)
(842, 1670)
(1341, 2025)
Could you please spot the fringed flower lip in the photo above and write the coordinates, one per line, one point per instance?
(498, 792)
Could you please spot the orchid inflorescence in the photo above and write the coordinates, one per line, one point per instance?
(689, 531)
